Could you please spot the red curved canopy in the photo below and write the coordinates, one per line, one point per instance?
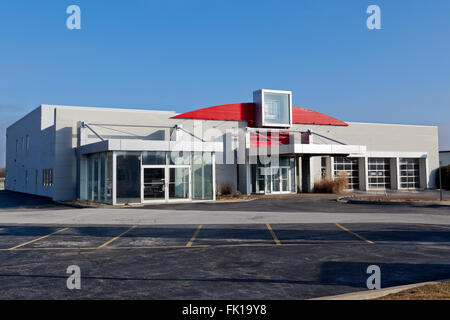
(230, 112)
(246, 112)
(306, 116)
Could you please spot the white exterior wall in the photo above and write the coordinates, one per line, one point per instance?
(316, 172)
(39, 125)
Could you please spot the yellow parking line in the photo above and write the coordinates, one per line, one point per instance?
(189, 244)
(274, 236)
(115, 238)
(355, 234)
(40, 238)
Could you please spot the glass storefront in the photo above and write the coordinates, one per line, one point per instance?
(177, 175)
(128, 177)
(154, 184)
(179, 183)
(97, 172)
(147, 176)
(202, 176)
(274, 178)
(153, 157)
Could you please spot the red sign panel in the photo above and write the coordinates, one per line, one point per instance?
(267, 139)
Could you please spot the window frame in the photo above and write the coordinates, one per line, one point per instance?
(263, 113)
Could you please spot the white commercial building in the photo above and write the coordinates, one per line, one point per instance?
(123, 156)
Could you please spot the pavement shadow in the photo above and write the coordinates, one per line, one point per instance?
(350, 274)
(355, 274)
(15, 200)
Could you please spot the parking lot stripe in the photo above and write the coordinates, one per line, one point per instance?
(40, 238)
(274, 236)
(355, 234)
(115, 238)
(189, 244)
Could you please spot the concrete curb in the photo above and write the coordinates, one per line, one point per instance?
(81, 205)
(342, 199)
(374, 294)
(415, 203)
(71, 205)
(229, 201)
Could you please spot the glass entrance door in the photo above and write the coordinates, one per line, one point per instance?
(165, 183)
(179, 183)
(280, 180)
(276, 180)
(285, 180)
(154, 184)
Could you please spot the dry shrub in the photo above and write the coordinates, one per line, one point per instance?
(2, 172)
(328, 185)
(225, 189)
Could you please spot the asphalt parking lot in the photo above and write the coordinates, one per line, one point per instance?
(12, 201)
(251, 252)
(304, 203)
(256, 261)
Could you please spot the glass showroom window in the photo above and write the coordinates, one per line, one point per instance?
(379, 173)
(409, 173)
(350, 167)
(277, 109)
(179, 158)
(128, 179)
(154, 158)
(202, 176)
(292, 174)
(99, 178)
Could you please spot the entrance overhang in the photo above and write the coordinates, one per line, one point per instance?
(312, 149)
(149, 145)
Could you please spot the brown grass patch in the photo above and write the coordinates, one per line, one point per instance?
(439, 291)
(226, 189)
(328, 185)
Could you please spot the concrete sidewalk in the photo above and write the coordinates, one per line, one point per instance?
(375, 294)
(127, 216)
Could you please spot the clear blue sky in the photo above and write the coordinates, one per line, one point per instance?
(181, 55)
